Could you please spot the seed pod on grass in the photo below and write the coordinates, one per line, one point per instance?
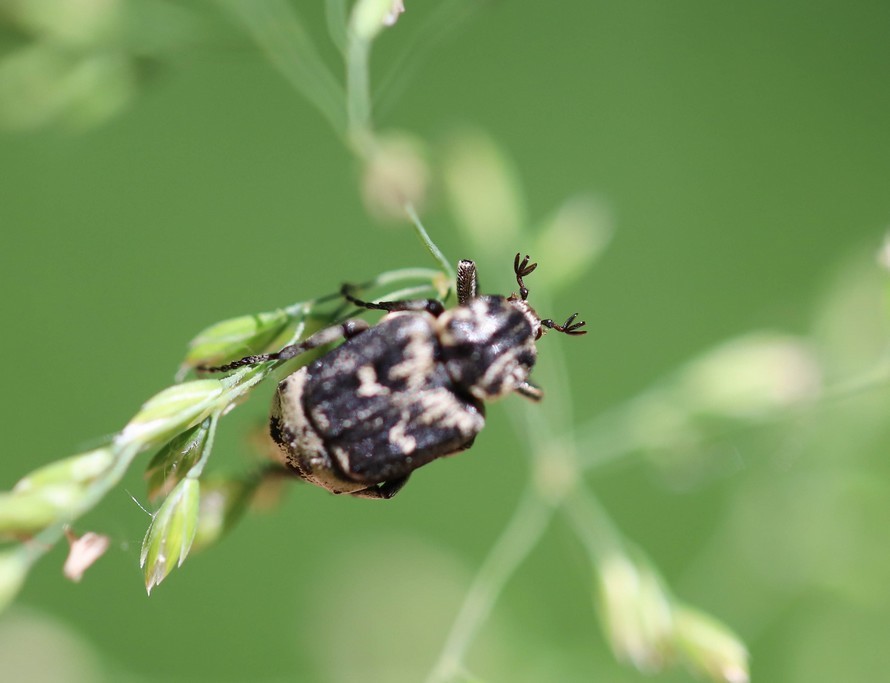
(170, 412)
(172, 463)
(234, 338)
(170, 535)
(709, 647)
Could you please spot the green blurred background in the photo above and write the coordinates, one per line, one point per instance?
(743, 152)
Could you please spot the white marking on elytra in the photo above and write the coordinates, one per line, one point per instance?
(342, 458)
(442, 408)
(368, 384)
(488, 322)
(525, 308)
(418, 361)
(289, 409)
(321, 420)
(476, 323)
(399, 437)
(502, 376)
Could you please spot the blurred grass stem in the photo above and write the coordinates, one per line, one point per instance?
(613, 434)
(443, 20)
(437, 254)
(43, 542)
(198, 467)
(522, 533)
(592, 524)
(279, 32)
(335, 15)
(358, 93)
(553, 450)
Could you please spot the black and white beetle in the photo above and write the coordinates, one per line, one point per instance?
(406, 391)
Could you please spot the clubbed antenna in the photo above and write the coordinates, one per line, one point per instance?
(522, 269)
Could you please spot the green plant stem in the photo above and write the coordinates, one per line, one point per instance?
(518, 539)
(591, 524)
(406, 293)
(613, 435)
(441, 23)
(38, 546)
(358, 95)
(198, 467)
(554, 449)
(335, 16)
(437, 254)
(277, 29)
(124, 453)
(404, 274)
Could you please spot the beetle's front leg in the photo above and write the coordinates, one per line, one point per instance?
(384, 491)
(347, 329)
(530, 391)
(432, 306)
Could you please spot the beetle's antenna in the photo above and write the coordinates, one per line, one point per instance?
(522, 269)
(568, 327)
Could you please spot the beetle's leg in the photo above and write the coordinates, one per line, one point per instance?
(384, 491)
(467, 282)
(568, 327)
(347, 329)
(522, 269)
(468, 445)
(530, 391)
(431, 306)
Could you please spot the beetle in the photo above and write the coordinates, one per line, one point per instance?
(397, 395)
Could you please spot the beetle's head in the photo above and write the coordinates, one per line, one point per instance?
(488, 342)
(489, 345)
(524, 307)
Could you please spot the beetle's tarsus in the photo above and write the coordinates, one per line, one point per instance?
(383, 491)
(568, 327)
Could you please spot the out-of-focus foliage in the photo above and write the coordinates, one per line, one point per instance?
(721, 167)
(68, 65)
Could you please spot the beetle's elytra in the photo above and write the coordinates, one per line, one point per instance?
(406, 391)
